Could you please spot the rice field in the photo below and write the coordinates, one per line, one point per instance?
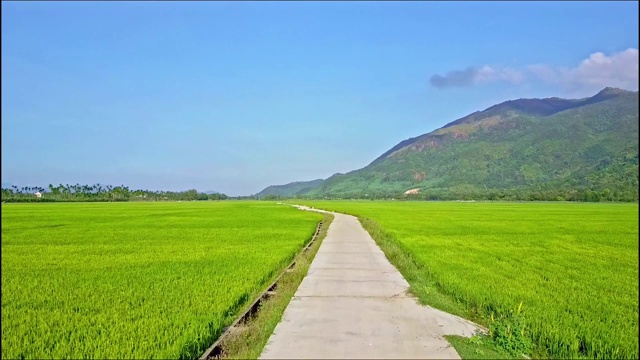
(137, 280)
(573, 266)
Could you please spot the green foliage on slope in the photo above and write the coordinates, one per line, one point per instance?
(587, 150)
(288, 190)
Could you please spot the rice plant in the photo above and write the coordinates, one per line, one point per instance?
(137, 280)
(573, 266)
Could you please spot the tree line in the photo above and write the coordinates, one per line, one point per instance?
(99, 192)
(470, 192)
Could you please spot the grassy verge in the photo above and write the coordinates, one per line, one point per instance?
(477, 347)
(249, 339)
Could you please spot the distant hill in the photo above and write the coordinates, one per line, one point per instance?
(578, 149)
(291, 189)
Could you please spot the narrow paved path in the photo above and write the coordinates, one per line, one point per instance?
(353, 304)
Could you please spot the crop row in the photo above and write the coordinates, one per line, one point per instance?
(574, 267)
(136, 280)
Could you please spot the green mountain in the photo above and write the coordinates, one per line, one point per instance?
(525, 149)
(532, 148)
(291, 189)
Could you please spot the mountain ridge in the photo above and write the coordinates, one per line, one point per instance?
(552, 104)
(514, 145)
(289, 189)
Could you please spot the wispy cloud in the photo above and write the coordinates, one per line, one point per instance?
(476, 75)
(595, 72)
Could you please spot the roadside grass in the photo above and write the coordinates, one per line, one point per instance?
(548, 280)
(477, 347)
(249, 339)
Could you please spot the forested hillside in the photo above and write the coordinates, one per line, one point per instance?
(526, 149)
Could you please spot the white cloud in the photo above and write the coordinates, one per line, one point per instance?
(593, 73)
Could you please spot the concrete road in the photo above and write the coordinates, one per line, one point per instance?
(353, 304)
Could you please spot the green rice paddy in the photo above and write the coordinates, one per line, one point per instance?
(574, 266)
(161, 280)
(137, 280)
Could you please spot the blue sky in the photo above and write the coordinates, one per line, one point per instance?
(236, 96)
